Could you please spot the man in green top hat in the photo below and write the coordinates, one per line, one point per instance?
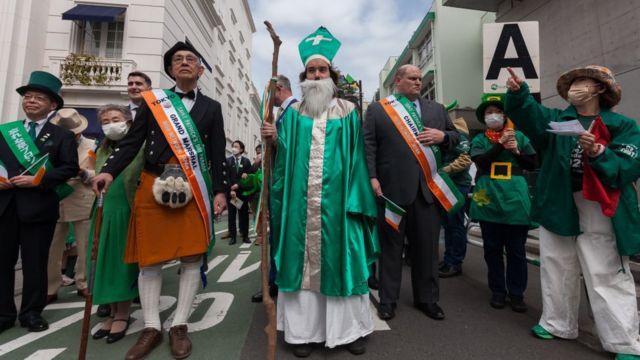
(323, 211)
(38, 156)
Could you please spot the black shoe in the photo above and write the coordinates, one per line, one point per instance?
(498, 301)
(101, 332)
(136, 300)
(448, 271)
(357, 347)
(113, 337)
(232, 241)
(386, 311)
(273, 291)
(34, 323)
(432, 310)
(518, 305)
(5, 325)
(373, 283)
(302, 350)
(257, 297)
(104, 310)
(246, 240)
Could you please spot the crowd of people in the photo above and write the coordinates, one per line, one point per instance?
(348, 192)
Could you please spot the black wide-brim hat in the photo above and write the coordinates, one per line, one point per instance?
(174, 49)
(45, 82)
(496, 100)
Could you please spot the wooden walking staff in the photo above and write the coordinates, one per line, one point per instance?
(86, 319)
(270, 306)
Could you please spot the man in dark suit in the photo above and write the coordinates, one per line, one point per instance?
(28, 204)
(164, 233)
(396, 174)
(237, 165)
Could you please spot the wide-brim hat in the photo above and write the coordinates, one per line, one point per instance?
(70, 119)
(613, 92)
(45, 82)
(496, 100)
(174, 49)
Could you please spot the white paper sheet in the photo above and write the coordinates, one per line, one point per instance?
(566, 128)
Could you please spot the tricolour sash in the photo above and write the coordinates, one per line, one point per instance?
(27, 153)
(406, 119)
(183, 138)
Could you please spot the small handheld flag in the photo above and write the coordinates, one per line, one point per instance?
(41, 165)
(4, 174)
(393, 213)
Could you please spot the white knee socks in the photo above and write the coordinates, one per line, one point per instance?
(189, 283)
(150, 284)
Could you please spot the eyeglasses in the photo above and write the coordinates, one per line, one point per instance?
(38, 98)
(190, 59)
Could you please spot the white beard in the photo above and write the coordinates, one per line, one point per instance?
(317, 95)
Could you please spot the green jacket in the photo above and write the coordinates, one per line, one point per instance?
(618, 167)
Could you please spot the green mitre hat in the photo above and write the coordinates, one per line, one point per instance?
(318, 45)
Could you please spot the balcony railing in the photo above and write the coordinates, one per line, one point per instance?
(79, 71)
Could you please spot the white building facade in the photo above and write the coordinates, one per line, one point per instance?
(121, 36)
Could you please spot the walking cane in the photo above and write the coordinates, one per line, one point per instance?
(269, 305)
(92, 274)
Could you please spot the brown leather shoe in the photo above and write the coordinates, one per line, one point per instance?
(147, 341)
(180, 343)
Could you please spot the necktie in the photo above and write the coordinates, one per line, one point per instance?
(190, 95)
(237, 164)
(32, 130)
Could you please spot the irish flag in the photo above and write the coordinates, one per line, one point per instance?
(4, 174)
(393, 214)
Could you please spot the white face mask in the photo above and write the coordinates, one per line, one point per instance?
(579, 95)
(235, 151)
(494, 121)
(115, 131)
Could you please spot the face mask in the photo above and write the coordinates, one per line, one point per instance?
(579, 95)
(115, 131)
(494, 121)
(235, 151)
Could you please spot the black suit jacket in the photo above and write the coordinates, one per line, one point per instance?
(234, 176)
(389, 158)
(206, 114)
(40, 203)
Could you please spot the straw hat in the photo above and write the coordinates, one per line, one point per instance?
(70, 119)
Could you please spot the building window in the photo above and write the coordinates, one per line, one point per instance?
(221, 38)
(248, 54)
(429, 90)
(233, 17)
(426, 52)
(232, 58)
(101, 39)
(241, 37)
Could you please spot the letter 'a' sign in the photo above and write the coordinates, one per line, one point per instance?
(514, 45)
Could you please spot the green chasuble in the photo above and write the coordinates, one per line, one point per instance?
(323, 210)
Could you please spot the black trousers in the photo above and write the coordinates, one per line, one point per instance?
(243, 214)
(32, 241)
(421, 226)
(500, 237)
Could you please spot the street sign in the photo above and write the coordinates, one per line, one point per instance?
(515, 45)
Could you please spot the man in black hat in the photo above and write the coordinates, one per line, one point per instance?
(38, 158)
(171, 215)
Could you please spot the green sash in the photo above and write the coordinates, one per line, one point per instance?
(27, 153)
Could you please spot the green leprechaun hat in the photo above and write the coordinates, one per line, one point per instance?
(487, 100)
(45, 82)
(318, 45)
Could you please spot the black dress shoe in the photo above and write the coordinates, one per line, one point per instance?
(104, 310)
(386, 311)
(101, 333)
(34, 323)
(373, 282)
(246, 240)
(5, 325)
(498, 301)
(448, 271)
(113, 337)
(357, 347)
(518, 305)
(232, 241)
(432, 310)
(302, 350)
(257, 297)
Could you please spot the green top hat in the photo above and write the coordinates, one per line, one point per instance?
(45, 82)
(318, 45)
(496, 100)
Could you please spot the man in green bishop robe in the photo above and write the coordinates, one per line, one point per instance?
(323, 211)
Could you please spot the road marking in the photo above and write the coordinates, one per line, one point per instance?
(213, 316)
(215, 262)
(31, 337)
(47, 354)
(235, 270)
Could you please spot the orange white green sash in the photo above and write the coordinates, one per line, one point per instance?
(185, 142)
(407, 121)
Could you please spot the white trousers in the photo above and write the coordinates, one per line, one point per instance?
(310, 317)
(607, 276)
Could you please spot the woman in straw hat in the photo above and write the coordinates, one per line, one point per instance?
(586, 205)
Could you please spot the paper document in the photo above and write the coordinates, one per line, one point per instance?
(566, 128)
(237, 203)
